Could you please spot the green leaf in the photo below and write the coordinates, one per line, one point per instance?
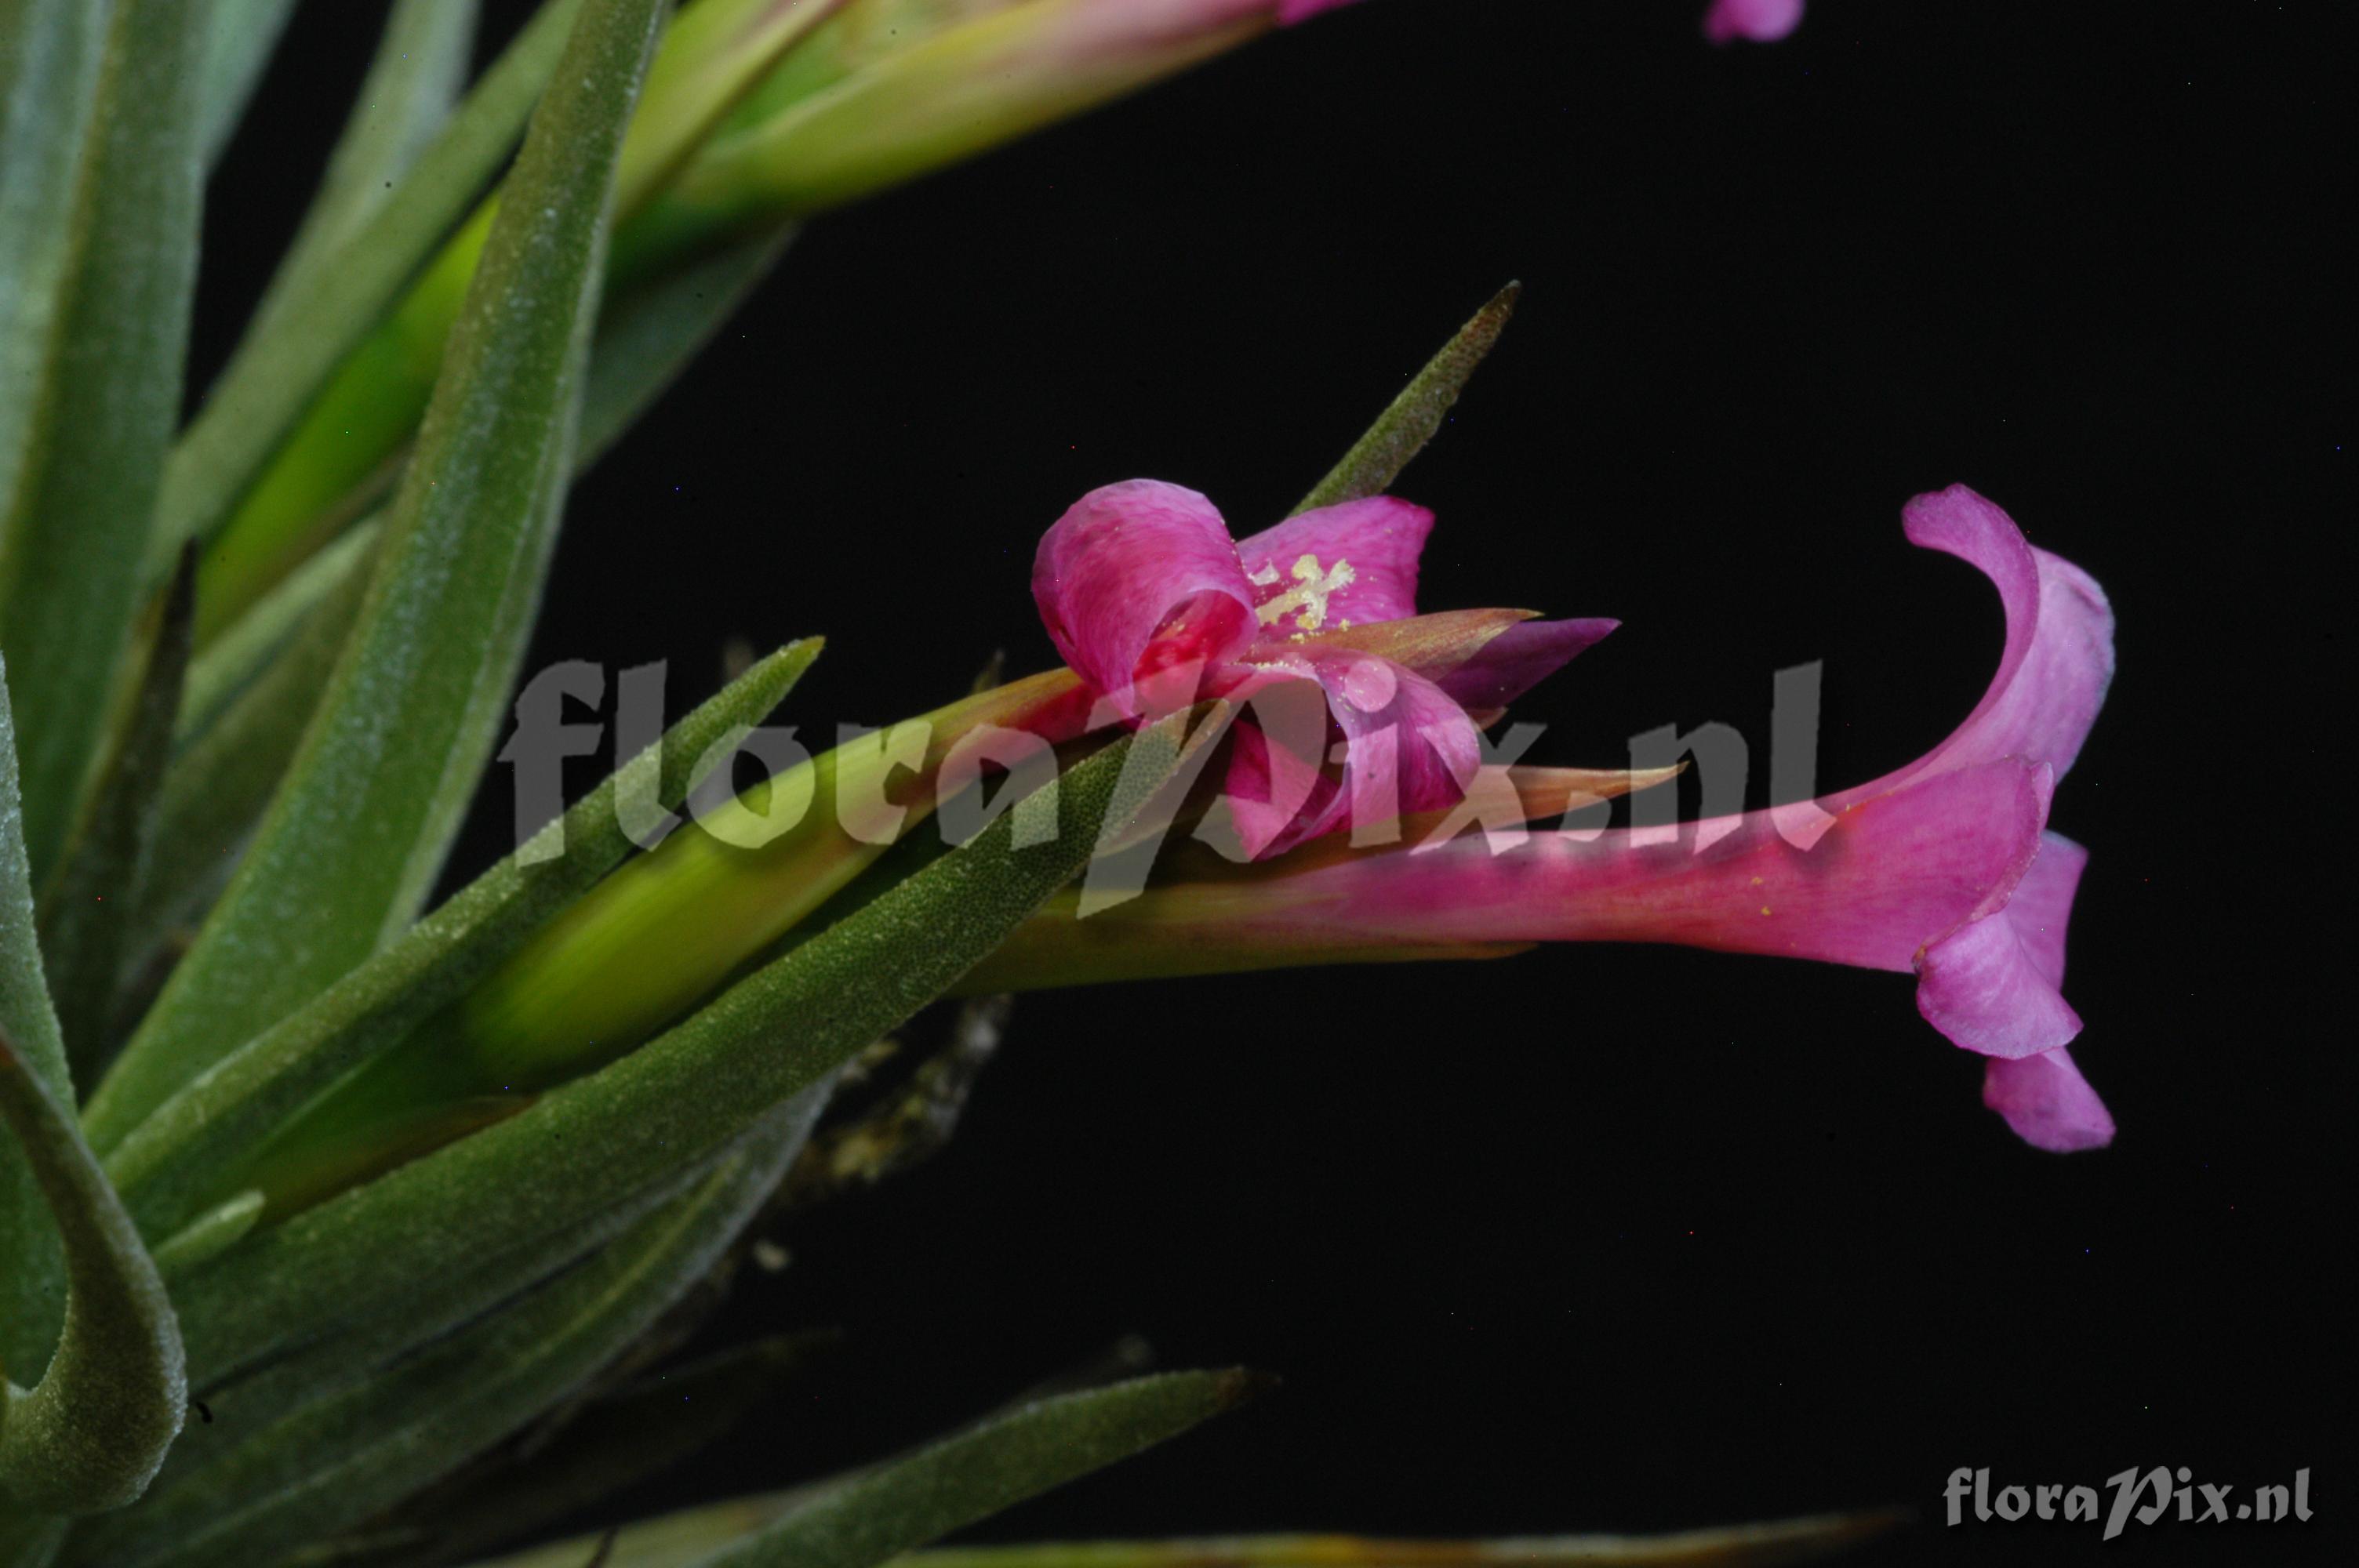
(1411, 419)
(875, 1517)
(418, 69)
(252, 693)
(172, 1161)
(616, 1440)
(239, 661)
(678, 1100)
(32, 1265)
(215, 790)
(277, 370)
(237, 51)
(372, 1335)
(314, 474)
(878, 1514)
(211, 1234)
(357, 830)
(48, 77)
(87, 911)
(97, 410)
(341, 1460)
(90, 1434)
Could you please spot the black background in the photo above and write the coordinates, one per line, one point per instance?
(1600, 1237)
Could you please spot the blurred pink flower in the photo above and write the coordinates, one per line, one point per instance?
(1763, 21)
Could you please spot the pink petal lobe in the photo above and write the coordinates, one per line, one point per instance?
(1411, 747)
(1340, 565)
(1138, 579)
(1762, 21)
(2048, 1102)
(1277, 790)
(1991, 985)
(2059, 656)
(1519, 659)
(1406, 747)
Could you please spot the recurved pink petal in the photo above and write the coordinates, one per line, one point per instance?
(1519, 659)
(1763, 21)
(2048, 1102)
(1340, 565)
(2059, 656)
(1991, 985)
(1138, 579)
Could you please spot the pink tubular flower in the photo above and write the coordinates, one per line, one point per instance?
(1763, 21)
(1944, 869)
(1155, 607)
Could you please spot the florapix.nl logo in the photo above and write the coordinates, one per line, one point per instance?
(2146, 1496)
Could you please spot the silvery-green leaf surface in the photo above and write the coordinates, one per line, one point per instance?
(357, 829)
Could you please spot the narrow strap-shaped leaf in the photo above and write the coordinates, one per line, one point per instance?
(239, 660)
(49, 52)
(215, 790)
(872, 1517)
(92, 1430)
(673, 1101)
(356, 422)
(1411, 419)
(87, 911)
(374, 1335)
(619, 1440)
(277, 372)
(341, 1460)
(103, 406)
(237, 51)
(415, 78)
(208, 1235)
(879, 1514)
(167, 1165)
(32, 1266)
(358, 829)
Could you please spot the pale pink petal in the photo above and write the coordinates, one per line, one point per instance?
(1519, 659)
(2059, 656)
(1138, 579)
(1338, 567)
(2048, 1102)
(1763, 21)
(1991, 985)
